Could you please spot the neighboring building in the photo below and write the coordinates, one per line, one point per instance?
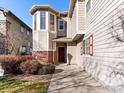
(91, 36)
(15, 35)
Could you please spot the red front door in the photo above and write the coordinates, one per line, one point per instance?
(61, 54)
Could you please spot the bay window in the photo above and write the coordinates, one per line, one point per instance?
(35, 22)
(88, 6)
(52, 22)
(42, 20)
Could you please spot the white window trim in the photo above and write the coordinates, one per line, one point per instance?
(36, 21)
(58, 25)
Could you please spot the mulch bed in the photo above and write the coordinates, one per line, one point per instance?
(45, 78)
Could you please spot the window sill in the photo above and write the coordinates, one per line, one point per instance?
(52, 31)
(61, 30)
(86, 55)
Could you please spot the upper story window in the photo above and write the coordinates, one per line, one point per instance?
(61, 25)
(52, 22)
(28, 33)
(88, 6)
(35, 21)
(22, 29)
(42, 20)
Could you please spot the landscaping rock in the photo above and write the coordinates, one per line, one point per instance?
(46, 69)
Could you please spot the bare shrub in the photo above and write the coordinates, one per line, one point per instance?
(30, 67)
(11, 63)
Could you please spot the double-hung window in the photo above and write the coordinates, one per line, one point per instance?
(22, 29)
(35, 22)
(52, 22)
(88, 46)
(28, 33)
(42, 20)
(61, 25)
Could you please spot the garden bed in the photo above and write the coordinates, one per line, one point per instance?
(13, 64)
(25, 74)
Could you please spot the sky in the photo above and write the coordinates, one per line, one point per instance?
(21, 7)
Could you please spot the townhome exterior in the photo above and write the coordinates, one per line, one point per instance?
(93, 38)
(49, 31)
(15, 35)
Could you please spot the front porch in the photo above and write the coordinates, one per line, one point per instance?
(61, 49)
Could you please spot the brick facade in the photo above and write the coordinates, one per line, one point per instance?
(45, 56)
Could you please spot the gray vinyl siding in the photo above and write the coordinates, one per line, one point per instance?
(107, 62)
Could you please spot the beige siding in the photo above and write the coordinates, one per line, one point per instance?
(107, 62)
(81, 16)
(79, 59)
(40, 38)
(35, 41)
(72, 24)
(51, 43)
(76, 24)
(71, 51)
(61, 33)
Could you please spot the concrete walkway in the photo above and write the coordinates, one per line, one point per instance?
(70, 79)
